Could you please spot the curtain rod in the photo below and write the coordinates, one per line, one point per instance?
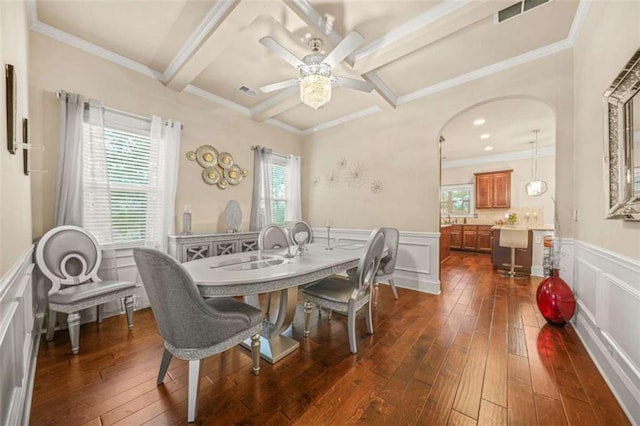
(130, 114)
(256, 147)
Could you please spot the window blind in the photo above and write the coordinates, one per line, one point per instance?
(278, 192)
(123, 185)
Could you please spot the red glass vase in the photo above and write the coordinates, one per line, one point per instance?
(555, 299)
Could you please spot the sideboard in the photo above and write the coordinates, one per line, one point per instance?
(198, 246)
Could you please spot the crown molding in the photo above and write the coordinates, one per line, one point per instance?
(341, 120)
(515, 61)
(93, 49)
(547, 151)
(284, 126)
(578, 21)
(410, 27)
(213, 18)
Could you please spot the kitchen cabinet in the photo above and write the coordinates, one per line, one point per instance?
(445, 243)
(484, 239)
(471, 238)
(493, 190)
(456, 237)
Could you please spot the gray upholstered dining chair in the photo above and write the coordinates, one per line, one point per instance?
(388, 263)
(272, 237)
(299, 228)
(351, 294)
(193, 328)
(70, 258)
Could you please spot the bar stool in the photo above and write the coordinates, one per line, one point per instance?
(516, 238)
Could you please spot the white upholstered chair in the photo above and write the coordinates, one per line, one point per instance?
(516, 238)
(271, 237)
(193, 328)
(348, 295)
(70, 257)
(388, 263)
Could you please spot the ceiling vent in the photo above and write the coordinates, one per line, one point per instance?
(247, 91)
(518, 8)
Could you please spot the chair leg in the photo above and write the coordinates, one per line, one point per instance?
(51, 324)
(164, 366)
(255, 353)
(73, 320)
(512, 270)
(128, 308)
(194, 380)
(100, 313)
(376, 290)
(369, 318)
(308, 308)
(393, 288)
(351, 326)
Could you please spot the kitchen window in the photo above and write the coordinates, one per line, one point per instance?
(457, 200)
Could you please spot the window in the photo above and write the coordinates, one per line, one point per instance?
(278, 189)
(457, 200)
(126, 211)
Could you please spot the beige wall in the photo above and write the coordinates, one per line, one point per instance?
(56, 66)
(521, 203)
(609, 37)
(15, 201)
(400, 147)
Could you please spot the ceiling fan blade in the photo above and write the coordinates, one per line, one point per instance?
(354, 84)
(344, 48)
(279, 50)
(278, 86)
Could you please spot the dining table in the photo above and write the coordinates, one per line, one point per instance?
(252, 273)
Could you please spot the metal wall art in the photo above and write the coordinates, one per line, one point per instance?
(353, 174)
(218, 168)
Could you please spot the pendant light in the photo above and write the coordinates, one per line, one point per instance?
(535, 187)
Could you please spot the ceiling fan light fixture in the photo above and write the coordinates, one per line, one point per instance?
(315, 90)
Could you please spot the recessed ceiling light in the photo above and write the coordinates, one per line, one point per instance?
(488, 148)
(479, 122)
(307, 35)
(485, 136)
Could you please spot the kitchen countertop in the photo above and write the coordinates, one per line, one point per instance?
(530, 228)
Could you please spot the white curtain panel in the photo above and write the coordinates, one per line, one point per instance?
(262, 195)
(68, 201)
(165, 146)
(293, 195)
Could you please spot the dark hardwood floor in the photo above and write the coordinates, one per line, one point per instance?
(480, 353)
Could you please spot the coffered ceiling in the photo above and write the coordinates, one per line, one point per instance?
(211, 48)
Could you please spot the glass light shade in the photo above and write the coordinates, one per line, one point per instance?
(315, 90)
(536, 187)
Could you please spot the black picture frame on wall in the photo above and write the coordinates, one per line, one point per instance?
(12, 106)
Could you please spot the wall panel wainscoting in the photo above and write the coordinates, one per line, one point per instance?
(418, 265)
(607, 288)
(20, 325)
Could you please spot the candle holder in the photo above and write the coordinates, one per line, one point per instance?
(328, 247)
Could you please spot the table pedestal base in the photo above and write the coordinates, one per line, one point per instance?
(274, 349)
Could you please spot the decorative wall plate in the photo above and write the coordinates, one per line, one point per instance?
(211, 175)
(222, 184)
(191, 156)
(225, 160)
(207, 156)
(233, 174)
(245, 172)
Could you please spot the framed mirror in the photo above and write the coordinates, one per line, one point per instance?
(622, 143)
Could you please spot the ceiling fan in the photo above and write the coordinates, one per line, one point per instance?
(315, 69)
